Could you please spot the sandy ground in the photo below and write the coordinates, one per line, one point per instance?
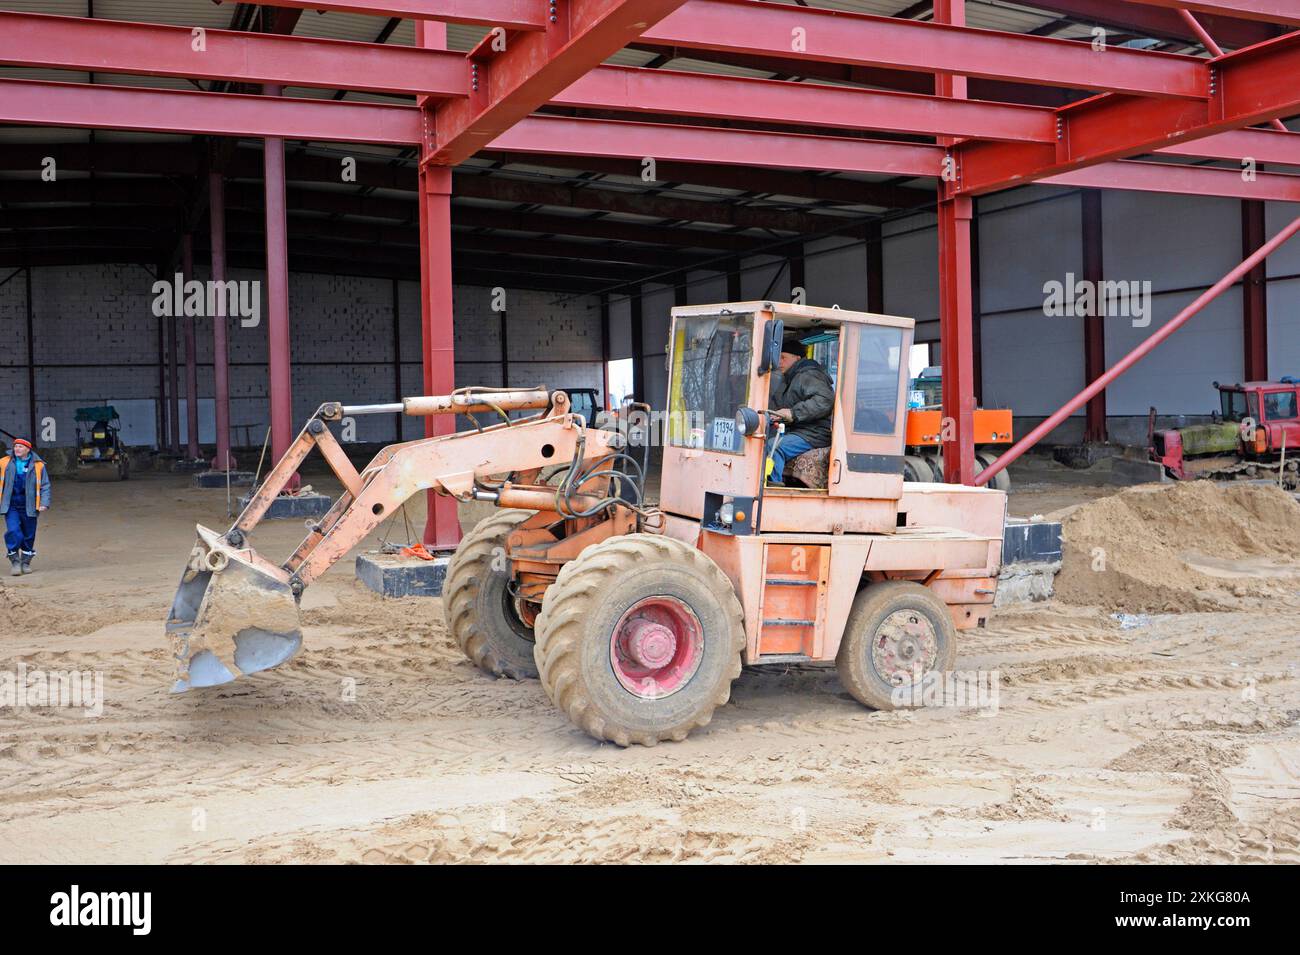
(1152, 737)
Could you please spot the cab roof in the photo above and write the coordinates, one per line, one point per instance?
(798, 316)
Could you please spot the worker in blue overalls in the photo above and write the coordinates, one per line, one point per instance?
(24, 494)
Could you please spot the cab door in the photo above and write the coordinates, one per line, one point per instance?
(712, 365)
(870, 409)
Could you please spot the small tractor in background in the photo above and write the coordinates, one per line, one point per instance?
(635, 617)
(1255, 433)
(100, 453)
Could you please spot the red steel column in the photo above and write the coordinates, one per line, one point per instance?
(220, 352)
(1254, 287)
(277, 295)
(191, 361)
(1094, 330)
(956, 340)
(174, 378)
(956, 299)
(442, 526)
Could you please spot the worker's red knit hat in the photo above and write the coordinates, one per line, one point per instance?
(24, 442)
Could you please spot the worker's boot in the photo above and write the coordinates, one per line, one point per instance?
(15, 564)
(27, 562)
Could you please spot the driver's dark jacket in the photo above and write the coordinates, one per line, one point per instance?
(809, 393)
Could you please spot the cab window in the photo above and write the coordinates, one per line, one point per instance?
(1279, 406)
(712, 358)
(875, 405)
(1234, 405)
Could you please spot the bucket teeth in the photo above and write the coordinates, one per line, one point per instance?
(230, 616)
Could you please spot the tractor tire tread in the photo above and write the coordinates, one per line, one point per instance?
(579, 586)
(475, 552)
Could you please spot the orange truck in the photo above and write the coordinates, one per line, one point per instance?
(924, 460)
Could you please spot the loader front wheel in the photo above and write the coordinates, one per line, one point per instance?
(639, 639)
(898, 631)
(478, 605)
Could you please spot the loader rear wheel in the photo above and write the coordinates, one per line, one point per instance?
(897, 632)
(639, 639)
(478, 605)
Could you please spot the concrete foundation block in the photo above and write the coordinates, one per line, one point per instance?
(219, 479)
(1127, 471)
(395, 576)
(304, 505)
(187, 466)
(1026, 582)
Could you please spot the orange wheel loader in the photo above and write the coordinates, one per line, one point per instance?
(637, 618)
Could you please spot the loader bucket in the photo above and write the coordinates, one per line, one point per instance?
(231, 615)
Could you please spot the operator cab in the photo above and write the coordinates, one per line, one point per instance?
(724, 363)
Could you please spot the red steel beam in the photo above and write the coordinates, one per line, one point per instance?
(1138, 353)
(561, 136)
(806, 104)
(511, 14)
(1155, 22)
(1271, 11)
(1275, 147)
(152, 49)
(114, 107)
(83, 105)
(1251, 86)
(110, 46)
(508, 85)
(827, 188)
(857, 39)
(1213, 48)
(1181, 180)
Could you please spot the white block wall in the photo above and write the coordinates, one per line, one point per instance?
(97, 341)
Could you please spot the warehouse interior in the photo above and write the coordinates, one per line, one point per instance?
(426, 195)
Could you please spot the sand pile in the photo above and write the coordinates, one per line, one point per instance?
(1181, 547)
(21, 614)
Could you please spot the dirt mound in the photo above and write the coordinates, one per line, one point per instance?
(1193, 546)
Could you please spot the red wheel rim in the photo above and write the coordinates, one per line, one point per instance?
(656, 647)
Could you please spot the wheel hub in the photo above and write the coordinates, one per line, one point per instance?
(650, 644)
(906, 647)
(656, 647)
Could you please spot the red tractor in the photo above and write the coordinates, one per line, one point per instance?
(1256, 430)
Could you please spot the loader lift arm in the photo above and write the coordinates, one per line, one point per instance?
(236, 612)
